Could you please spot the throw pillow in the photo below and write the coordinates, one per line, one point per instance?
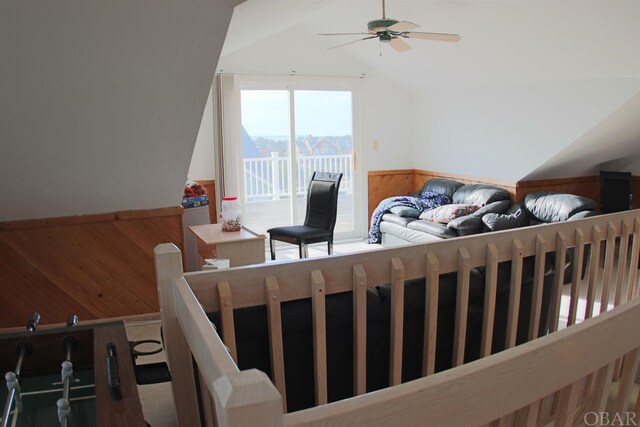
(497, 222)
(444, 214)
(405, 211)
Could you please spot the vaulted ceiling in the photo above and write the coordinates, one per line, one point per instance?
(569, 67)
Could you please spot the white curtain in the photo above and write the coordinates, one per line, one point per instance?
(226, 113)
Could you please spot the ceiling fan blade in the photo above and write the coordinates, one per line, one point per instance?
(345, 34)
(399, 44)
(352, 42)
(403, 26)
(432, 36)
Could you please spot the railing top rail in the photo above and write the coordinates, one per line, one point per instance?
(247, 282)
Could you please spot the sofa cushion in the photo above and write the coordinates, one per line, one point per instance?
(400, 220)
(406, 234)
(435, 229)
(555, 207)
(498, 207)
(497, 222)
(444, 214)
(405, 211)
(441, 186)
(479, 194)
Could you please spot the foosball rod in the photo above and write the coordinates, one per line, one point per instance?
(69, 344)
(13, 378)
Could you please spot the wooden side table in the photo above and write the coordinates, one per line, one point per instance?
(239, 247)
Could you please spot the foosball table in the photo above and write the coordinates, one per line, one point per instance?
(78, 375)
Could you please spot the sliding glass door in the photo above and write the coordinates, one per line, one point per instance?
(287, 134)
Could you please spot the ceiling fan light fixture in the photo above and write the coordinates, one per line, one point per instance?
(385, 37)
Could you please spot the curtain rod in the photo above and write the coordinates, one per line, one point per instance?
(294, 73)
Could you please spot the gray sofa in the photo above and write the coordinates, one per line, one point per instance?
(398, 230)
(495, 213)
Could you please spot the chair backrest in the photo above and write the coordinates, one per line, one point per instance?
(322, 200)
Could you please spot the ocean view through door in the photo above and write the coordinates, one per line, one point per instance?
(288, 134)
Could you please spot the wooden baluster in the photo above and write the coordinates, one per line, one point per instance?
(594, 271)
(432, 280)
(566, 405)
(490, 287)
(558, 279)
(622, 262)
(274, 321)
(319, 335)
(608, 266)
(360, 329)
(226, 318)
(397, 320)
(538, 278)
(632, 285)
(602, 388)
(528, 416)
(462, 306)
(576, 279)
(514, 293)
(629, 370)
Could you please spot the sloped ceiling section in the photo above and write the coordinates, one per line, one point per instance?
(535, 89)
(613, 144)
(100, 101)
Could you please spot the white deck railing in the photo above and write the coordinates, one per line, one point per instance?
(268, 178)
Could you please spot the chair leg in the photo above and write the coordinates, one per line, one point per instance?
(330, 245)
(272, 245)
(304, 253)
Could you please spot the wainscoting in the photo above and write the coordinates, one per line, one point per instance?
(95, 266)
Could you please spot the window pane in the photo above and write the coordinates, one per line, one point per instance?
(324, 142)
(266, 158)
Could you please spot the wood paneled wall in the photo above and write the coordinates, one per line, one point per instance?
(586, 186)
(389, 183)
(210, 186)
(95, 266)
(383, 184)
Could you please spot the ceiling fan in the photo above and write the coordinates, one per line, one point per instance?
(393, 32)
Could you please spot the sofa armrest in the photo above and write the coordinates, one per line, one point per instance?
(465, 225)
(499, 207)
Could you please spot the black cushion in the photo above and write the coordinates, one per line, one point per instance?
(497, 222)
(441, 186)
(556, 207)
(479, 194)
(467, 224)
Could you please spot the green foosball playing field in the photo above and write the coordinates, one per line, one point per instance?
(39, 397)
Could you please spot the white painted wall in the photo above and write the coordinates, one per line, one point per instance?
(507, 131)
(101, 102)
(203, 159)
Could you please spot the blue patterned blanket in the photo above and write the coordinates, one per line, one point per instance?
(427, 200)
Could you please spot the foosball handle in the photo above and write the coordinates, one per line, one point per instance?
(113, 377)
(32, 323)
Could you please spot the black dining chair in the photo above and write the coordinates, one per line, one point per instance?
(320, 219)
